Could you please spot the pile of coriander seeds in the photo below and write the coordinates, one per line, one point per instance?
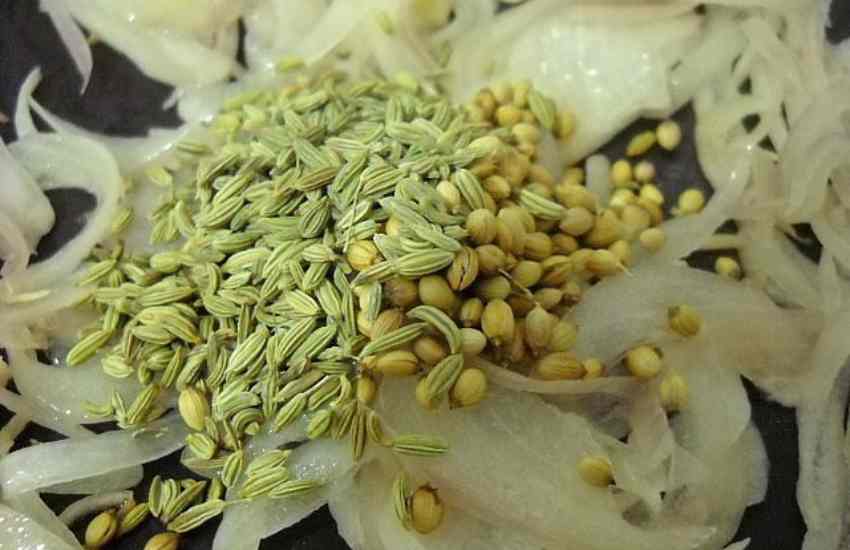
(331, 235)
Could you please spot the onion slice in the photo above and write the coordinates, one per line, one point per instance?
(71, 36)
(22, 532)
(35, 468)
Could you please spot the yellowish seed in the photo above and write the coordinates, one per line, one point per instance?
(470, 312)
(470, 388)
(514, 167)
(163, 541)
(596, 471)
(573, 176)
(635, 220)
(393, 226)
(491, 259)
(486, 102)
(483, 168)
(652, 193)
(494, 288)
(364, 324)
(571, 196)
(548, 298)
(101, 530)
(430, 350)
(527, 219)
(674, 392)
(529, 150)
(513, 219)
(606, 230)
(426, 510)
(488, 145)
(620, 199)
(564, 335)
(526, 133)
(397, 363)
(422, 396)
(401, 292)
(621, 173)
(450, 194)
(623, 251)
(538, 329)
(498, 187)
(565, 124)
(194, 407)
(526, 274)
(366, 390)
(517, 351)
(473, 341)
(577, 221)
(362, 255)
(430, 14)
(604, 263)
(669, 134)
(503, 92)
(497, 322)
(521, 90)
(644, 362)
(727, 267)
(504, 236)
(640, 144)
(521, 304)
(690, 201)
(644, 171)
(464, 269)
(481, 225)
(387, 321)
(656, 215)
(563, 244)
(538, 246)
(684, 320)
(572, 292)
(579, 259)
(508, 115)
(559, 366)
(593, 368)
(435, 291)
(541, 174)
(653, 239)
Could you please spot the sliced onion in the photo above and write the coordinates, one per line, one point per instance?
(69, 388)
(24, 124)
(598, 168)
(14, 248)
(35, 468)
(117, 480)
(47, 418)
(31, 505)
(176, 50)
(71, 36)
(326, 461)
(24, 204)
(614, 385)
(131, 153)
(22, 532)
(687, 234)
(741, 323)
(58, 161)
(530, 468)
(93, 504)
(274, 28)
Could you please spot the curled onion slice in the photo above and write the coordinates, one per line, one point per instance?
(34, 468)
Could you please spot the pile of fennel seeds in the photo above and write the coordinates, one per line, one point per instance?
(333, 235)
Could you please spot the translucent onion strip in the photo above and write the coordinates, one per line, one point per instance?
(34, 468)
(60, 161)
(71, 36)
(22, 532)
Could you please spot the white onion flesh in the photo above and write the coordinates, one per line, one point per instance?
(67, 161)
(35, 468)
(24, 204)
(179, 48)
(326, 461)
(558, 505)
(69, 388)
(31, 505)
(21, 532)
(72, 36)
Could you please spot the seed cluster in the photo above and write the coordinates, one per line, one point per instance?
(336, 234)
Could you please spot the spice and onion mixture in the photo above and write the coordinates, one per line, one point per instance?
(334, 235)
